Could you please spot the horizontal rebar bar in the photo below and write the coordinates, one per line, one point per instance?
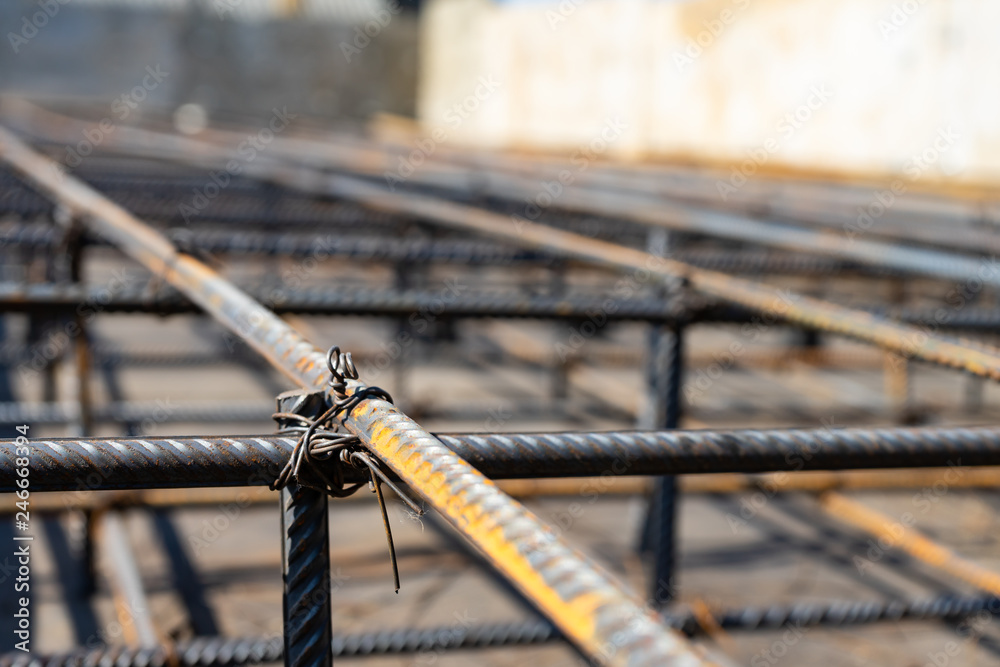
(322, 245)
(460, 251)
(226, 652)
(464, 303)
(454, 299)
(694, 452)
(243, 202)
(117, 463)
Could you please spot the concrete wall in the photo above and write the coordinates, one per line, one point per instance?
(859, 86)
(229, 66)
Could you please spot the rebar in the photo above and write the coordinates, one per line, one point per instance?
(466, 303)
(586, 603)
(460, 251)
(666, 370)
(448, 301)
(770, 303)
(305, 562)
(69, 464)
(230, 652)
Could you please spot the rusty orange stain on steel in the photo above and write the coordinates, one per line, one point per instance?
(575, 617)
(453, 490)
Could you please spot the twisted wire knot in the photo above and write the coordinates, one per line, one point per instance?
(323, 438)
(343, 371)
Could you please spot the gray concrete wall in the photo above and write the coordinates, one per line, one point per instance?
(229, 66)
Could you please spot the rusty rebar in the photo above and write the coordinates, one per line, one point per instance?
(69, 464)
(585, 602)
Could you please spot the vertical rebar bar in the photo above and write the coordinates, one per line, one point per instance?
(665, 377)
(83, 425)
(305, 561)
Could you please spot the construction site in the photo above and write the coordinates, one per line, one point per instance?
(451, 332)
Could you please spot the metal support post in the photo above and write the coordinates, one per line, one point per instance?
(305, 566)
(659, 531)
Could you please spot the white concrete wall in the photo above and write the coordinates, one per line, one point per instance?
(716, 80)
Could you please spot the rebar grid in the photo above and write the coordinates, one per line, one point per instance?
(585, 605)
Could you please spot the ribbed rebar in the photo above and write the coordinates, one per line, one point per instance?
(142, 463)
(666, 371)
(454, 302)
(241, 202)
(70, 464)
(688, 452)
(225, 652)
(420, 249)
(305, 560)
(451, 300)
